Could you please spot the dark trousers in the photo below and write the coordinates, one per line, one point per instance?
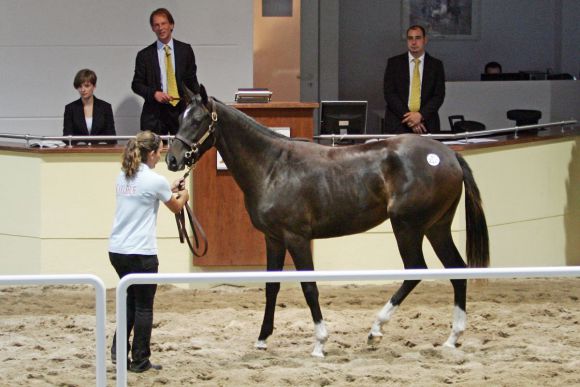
(168, 119)
(140, 300)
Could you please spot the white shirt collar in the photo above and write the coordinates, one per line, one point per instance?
(421, 58)
(160, 45)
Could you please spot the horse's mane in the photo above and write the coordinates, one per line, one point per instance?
(248, 121)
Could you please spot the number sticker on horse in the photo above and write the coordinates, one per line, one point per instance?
(433, 159)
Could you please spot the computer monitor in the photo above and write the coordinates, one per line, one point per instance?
(343, 117)
(505, 77)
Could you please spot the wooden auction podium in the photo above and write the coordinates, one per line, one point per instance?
(218, 201)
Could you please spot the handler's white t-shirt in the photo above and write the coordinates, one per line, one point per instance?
(134, 227)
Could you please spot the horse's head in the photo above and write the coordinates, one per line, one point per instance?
(196, 126)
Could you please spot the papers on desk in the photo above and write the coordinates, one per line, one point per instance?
(46, 144)
(470, 141)
(244, 95)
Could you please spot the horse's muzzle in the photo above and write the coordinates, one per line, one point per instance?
(172, 163)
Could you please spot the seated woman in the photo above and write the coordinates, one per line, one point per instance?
(88, 116)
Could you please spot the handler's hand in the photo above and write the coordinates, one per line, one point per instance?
(178, 185)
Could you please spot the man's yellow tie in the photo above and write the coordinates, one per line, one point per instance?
(415, 100)
(171, 81)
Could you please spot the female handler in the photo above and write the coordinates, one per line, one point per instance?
(133, 244)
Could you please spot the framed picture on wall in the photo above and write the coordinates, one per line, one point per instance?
(442, 19)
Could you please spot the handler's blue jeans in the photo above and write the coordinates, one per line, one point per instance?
(140, 300)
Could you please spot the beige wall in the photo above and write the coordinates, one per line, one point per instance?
(58, 210)
(277, 53)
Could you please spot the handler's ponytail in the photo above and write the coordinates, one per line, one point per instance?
(136, 151)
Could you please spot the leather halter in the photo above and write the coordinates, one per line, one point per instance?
(194, 148)
(180, 217)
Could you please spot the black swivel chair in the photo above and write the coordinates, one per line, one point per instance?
(524, 117)
(458, 124)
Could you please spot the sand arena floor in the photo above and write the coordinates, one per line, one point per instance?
(519, 333)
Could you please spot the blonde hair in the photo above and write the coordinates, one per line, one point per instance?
(137, 150)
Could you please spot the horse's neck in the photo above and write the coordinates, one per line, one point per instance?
(245, 146)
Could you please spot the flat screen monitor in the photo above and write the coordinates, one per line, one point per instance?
(343, 117)
(505, 77)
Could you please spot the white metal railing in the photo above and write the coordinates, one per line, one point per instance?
(100, 307)
(453, 136)
(28, 138)
(295, 276)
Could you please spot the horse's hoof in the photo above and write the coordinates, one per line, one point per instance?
(374, 339)
(449, 344)
(318, 353)
(261, 344)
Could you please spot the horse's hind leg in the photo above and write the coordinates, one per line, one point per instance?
(442, 242)
(409, 241)
(302, 256)
(275, 252)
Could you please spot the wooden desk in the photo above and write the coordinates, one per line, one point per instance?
(219, 202)
(530, 188)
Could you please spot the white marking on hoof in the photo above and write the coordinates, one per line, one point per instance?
(321, 335)
(261, 344)
(376, 333)
(459, 323)
(318, 350)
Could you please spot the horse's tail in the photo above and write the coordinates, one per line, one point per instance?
(477, 236)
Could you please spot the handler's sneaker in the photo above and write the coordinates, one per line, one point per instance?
(143, 366)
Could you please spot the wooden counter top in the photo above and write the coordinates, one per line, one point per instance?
(503, 140)
(19, 147)
(275, 105)
(523, 138)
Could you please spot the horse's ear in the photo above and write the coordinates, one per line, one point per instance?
(189, 96)
(203, 94)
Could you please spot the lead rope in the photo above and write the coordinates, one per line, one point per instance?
(194, 223)
(180, 218)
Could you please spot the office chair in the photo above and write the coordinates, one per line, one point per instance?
(524, 116)
(458, 124)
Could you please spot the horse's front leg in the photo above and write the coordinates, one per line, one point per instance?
(275, 252)
(302, 256)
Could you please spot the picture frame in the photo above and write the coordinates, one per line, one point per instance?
(442, 19)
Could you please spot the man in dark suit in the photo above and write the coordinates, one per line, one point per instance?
(405, 114)
(163, 104)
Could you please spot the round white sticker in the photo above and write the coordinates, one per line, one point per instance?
(433, 159)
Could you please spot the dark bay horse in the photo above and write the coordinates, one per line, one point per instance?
(296, 191)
